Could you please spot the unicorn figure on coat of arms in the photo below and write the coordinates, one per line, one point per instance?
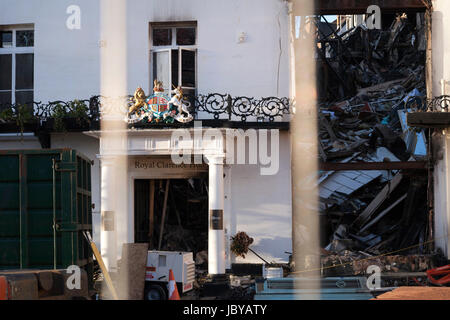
(158, 107)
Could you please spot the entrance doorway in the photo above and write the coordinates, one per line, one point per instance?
(172, 214)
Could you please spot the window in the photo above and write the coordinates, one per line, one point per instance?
(16, 65)
(173, 56)
(162, 261)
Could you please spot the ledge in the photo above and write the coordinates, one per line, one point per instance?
(332, 7)
(428, 119)
(213, 123)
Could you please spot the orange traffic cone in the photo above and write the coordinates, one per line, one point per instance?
(173, 291)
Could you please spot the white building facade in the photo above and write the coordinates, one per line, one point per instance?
(235, 47)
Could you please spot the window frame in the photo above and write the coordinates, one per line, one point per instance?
(173, 46)
(13, 51)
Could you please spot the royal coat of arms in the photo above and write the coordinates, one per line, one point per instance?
(158, 107)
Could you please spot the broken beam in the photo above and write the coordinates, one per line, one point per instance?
(352, 166)
(334, 7)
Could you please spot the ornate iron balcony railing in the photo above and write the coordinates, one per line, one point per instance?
(421, 104)
(220, 106)
(439, 104)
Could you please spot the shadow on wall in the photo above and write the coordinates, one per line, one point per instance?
(272, 232)
(271, 249)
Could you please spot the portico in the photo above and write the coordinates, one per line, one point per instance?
(157, 154)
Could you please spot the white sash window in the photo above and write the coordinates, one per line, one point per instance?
(16, 64)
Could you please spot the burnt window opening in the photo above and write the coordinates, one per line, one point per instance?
(173, 57)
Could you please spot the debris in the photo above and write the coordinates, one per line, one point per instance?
(201, 258)
(368, 80)
(370, 209)
(348, 263)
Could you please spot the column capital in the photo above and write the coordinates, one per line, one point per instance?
(106, 161)
(214, 158)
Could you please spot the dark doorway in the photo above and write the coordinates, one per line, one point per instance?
(185, 205)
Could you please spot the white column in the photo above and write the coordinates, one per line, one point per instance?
(216, 235)
(108, 222)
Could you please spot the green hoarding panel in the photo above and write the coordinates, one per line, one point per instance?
(40, 189)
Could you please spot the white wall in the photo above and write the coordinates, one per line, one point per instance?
(261, 206)
(441, 70)
(224, 66)
(441, 185)
(67, 66)
(16, 141)
(440, 44)
(67, 62)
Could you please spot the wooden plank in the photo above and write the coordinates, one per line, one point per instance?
(383, 213)
(100, 262)
(151, 213)
(379, 199)
(428, 119)
(163, 219)
(326, 125)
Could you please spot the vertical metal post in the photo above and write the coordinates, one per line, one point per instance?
(54, 212)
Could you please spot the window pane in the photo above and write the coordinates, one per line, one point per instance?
(5, 39)
(5, 99)
(24, 71)
(188, 68)
(24, 97)
(162, 37)
(5, 71)
(175, 68)
(161, 71)
(25, 38)
(189, 96)
(185, 36)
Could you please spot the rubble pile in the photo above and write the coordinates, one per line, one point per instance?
(353, 263)
(365, 62)
(377, 76)
(186, 223)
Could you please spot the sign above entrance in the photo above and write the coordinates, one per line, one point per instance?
(152, 167)
(159, 107)
(164, 164)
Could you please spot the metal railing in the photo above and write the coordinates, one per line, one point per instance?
(220, 106)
